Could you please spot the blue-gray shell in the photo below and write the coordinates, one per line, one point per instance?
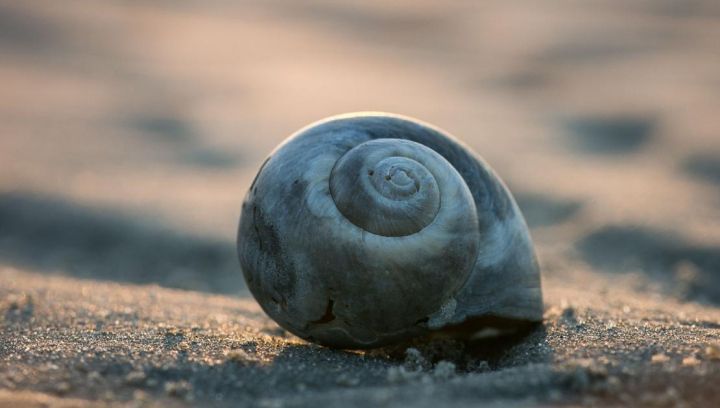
(445, 247)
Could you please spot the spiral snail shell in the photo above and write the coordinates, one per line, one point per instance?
(366, 229)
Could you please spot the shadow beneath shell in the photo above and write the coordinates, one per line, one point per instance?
(488, 350)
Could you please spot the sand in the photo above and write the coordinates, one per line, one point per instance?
(106, 343)
(129, 133)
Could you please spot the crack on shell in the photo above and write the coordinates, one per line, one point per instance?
(328, 316)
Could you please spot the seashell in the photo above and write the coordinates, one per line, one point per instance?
(367, 229)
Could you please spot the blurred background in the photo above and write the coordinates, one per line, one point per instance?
(130, 130)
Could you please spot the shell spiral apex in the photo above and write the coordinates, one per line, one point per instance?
(367, 229)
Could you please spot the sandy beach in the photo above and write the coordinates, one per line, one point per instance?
(131, 131)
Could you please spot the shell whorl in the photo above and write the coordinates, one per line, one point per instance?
(385, 186)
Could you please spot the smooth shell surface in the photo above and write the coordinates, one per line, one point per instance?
(366, 229)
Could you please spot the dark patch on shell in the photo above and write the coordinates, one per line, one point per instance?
(271, 252)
